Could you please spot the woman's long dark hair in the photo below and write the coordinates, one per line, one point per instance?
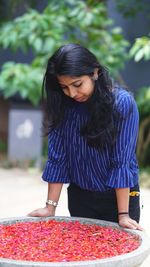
(75, 60)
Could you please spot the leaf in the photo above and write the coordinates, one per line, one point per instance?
(139, 55)
(37, 44)
(147, 51)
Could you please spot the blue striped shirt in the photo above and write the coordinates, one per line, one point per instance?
(72, 160)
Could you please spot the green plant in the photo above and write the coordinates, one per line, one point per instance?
(143, 102)
(23, 79)
(145, 177)
(3, 146)
(59, 23)
(130, 8)
(143, 146)
(141, 50)
(8, 8)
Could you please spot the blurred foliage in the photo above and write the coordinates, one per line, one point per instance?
(59, 23)
(22, 79)
(145, 177)
(143, 102)
(130, 8)
(141, 51)
(3, 146)
(143, 147)
(9, 8)
(141, 48)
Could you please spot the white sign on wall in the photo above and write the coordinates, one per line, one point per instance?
(25, 130)
(25, 141)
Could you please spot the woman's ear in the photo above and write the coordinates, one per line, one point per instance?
(95, 75)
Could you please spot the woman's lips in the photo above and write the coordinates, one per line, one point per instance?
(80, 99)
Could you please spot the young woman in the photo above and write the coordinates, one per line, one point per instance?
(92, 126)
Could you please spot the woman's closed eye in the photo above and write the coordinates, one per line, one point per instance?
(77, 85)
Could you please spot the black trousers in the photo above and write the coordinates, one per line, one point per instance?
(99, 205)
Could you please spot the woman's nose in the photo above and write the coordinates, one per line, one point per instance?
(72, 92)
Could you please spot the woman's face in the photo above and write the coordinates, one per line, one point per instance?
(78, 88)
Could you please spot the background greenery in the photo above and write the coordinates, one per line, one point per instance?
(141, 51)
(85, 22)
(59, 23)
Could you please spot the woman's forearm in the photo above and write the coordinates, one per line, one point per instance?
(54, 190)
(122, 195)
(124, 220)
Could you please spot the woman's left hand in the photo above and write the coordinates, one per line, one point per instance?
(126, 222)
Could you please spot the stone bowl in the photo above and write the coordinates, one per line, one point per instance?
(132, 259)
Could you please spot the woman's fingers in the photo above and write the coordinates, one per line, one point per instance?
(127, 222)
(33, 213)
(42, 212)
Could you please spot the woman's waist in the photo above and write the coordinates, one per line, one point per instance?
(133, 191)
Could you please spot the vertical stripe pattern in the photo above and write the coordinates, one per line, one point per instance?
(71, 159)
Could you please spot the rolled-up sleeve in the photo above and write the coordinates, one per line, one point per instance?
(56, 168)
(123, 158)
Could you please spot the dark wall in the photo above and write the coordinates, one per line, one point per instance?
(135, 75)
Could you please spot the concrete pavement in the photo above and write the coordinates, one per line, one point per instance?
(23, 191)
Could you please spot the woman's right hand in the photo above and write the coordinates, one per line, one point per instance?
(43, 212)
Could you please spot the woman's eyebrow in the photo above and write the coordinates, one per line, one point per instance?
(70, 83)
